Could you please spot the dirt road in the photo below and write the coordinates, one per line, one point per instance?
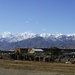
(26, 72)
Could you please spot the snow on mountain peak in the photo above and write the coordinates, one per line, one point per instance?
(6, 34)
(71, 34)
(9, 37)
(25, 35)
(45, 35)
(58, 35)
(48, 36)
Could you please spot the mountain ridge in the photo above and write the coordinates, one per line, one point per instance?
(30, 40)
(9, 37)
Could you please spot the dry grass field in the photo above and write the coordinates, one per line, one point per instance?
(38, 68)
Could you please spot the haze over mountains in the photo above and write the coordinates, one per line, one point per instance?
(44, 40)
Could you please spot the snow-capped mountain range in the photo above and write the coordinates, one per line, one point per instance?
(9, 37)
(30, 40)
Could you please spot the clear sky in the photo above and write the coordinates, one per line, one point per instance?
(37, 16)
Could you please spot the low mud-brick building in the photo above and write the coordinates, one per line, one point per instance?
(36, 54)
(29, 54)
(43, 54)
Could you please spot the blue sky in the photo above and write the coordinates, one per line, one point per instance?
(37, 16)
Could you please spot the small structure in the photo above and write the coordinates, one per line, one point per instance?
(32, 50)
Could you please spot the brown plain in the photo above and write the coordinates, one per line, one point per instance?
(38, 66)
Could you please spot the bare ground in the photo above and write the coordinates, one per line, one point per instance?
(16, 67)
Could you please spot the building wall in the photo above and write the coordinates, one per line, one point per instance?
(21, 50)
(30, 50)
